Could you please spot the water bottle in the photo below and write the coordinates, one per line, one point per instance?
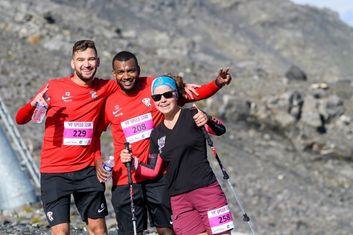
(39, 113)
(108, 166)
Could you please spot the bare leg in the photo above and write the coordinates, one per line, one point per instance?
(165, 231)
(61, 229)
(97, 226)
(204, 233)
(226, 233)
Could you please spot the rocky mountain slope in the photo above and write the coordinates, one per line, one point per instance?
(288, 110)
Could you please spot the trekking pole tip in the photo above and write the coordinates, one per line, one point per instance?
(246, 218)
(225, 175)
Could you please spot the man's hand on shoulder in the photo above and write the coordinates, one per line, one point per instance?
(190, 91)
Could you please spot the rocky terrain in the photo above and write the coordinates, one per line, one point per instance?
(288, 109)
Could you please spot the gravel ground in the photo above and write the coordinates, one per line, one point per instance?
(30, 220)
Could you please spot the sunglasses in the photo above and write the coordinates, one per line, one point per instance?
(167, 95)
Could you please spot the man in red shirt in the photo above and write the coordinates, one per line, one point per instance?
(133, 115)
(69, 147)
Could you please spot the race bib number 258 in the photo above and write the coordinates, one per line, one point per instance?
(220, 219)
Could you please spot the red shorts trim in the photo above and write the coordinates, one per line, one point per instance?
(190, 209)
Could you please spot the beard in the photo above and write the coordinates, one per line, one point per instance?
(84, 78)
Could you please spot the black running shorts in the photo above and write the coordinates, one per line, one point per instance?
(158, 202)
(87, 191)
(151, 195)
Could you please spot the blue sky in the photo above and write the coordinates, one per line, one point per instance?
(343, 7)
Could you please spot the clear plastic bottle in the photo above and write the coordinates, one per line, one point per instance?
(108, 166)
(39, 113)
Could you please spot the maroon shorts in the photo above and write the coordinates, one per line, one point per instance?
(190, 209)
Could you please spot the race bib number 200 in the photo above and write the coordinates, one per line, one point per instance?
(78, 133)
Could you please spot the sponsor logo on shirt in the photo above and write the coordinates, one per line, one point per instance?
(93, 94)
(147, 102)
(117, 111)
(161, 143)
(67, 97)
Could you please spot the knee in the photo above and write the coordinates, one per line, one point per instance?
(60, 229)
(165, 231)
(98, 231)
(97, 227)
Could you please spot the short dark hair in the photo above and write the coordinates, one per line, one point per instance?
(82, 45)
(124, 56)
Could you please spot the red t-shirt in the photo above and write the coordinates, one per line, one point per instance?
(132, 118)
(71, 122)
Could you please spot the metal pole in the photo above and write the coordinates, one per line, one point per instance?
(24, 154)
(246, 218)
(16, 188)
(133, 217)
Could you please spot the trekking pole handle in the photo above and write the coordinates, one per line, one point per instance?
(207, 136)
(127, 147)
(128, 164)
(204, 132)
(210, 143)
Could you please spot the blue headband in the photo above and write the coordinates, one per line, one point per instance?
(163, 81)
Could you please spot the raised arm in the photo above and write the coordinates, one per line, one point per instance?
(206, 90)
(24, 114)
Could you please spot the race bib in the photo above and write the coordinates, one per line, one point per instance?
(78, 133)
(220, 219)
(137, 128)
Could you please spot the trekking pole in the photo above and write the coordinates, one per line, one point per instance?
(246, 218)
(128, 165)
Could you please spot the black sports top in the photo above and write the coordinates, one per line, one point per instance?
(184, 153)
